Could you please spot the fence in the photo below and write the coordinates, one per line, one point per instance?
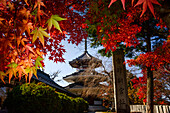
(157, 108)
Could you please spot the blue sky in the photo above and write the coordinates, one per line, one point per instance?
(72, 52)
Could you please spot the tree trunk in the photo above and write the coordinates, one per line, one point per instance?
(149, 90)
(149, 81)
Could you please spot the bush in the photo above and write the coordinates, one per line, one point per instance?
(41, 98)
(81, 105)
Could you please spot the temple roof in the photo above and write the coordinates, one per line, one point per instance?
(45, 78)
(84, 60)
(81, 75)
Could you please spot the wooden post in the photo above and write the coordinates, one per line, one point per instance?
(120, 83)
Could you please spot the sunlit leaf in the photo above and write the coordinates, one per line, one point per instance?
(41, 38)
(56, 25)
(49, 23)
(26, 2)
(21, 71)
(29, 48)
(1, 19)
(2, 74)
(53, 21)
(27, 70)
(38, 63)
(10, 73)
(35, 72)
(31, 71)
(23, 41)
(12, 65)
(35, 32)
(40, 33)
(30, 75)
(57, 18)
(43, 32)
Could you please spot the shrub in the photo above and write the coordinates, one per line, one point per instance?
(81, 105)
(41, 98)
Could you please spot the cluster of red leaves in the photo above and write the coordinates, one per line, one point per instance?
(159, 86)
(31, 29)
(161, 23)
(155, 59)
(126, 34)
(111, 33)
(141, 84)
(146, 3)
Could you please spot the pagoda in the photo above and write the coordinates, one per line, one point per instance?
(82, 64)
(77, 79)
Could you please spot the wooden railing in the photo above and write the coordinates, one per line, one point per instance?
(157, 108)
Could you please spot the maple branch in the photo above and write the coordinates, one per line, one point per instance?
(72, 4)
(15, 13)
(75, 3)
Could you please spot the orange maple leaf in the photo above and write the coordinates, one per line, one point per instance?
(29, 48)
(38, 4)
(2, 74)
(21, 71)
(149, 4)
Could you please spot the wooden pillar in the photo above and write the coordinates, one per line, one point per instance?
(120, 83)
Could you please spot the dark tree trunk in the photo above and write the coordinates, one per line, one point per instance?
(149, 90)
(149, 81)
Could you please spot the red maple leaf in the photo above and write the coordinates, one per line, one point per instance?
(112, 1)
(148, 3)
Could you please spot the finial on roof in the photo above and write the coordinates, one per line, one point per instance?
(85, 45)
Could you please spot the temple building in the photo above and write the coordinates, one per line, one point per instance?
(80, 81)
(77, 79)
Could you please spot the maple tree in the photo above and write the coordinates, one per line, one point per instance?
(29, 29)
(161, 84)
(115, 28)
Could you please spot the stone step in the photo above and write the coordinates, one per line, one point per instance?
(98, 103)
(93, 108)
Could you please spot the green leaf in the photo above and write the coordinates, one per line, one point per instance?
(43, 32)
(34, 37)
(40, 33)
(49, 21)
(56, 25)
(12, 65)
(34, 72)
(27, 70)
(38, 63)
(53, 21)
(41, 38)
(57, 18)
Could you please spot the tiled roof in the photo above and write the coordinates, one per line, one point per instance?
(45, 78)
(84, 60)
(83, 72)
